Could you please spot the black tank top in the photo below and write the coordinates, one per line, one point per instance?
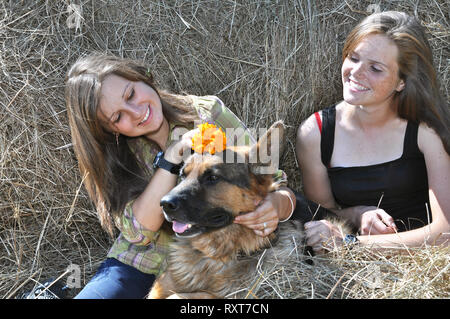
(401, 184)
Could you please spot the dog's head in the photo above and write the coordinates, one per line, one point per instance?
(217, 188)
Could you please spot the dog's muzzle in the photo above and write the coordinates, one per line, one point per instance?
(189, 221)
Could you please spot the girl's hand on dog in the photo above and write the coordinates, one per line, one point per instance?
(180, 147)
(323, 236)
(264, 219)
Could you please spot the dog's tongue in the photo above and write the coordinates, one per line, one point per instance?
(179, 227)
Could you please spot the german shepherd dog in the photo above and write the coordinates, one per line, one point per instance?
(212, 257)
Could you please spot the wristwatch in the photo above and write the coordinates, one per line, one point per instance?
(350, 240)
(161, 162)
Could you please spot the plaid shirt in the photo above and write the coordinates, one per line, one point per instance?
(147, 250)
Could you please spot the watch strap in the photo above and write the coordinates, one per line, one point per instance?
(161, 162)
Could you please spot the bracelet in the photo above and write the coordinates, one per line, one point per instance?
(292, 211)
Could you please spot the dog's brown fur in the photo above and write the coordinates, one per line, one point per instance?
(219, 262)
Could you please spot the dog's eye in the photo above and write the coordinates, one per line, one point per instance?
(212, 178)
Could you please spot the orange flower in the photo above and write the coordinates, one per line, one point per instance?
(211, 139)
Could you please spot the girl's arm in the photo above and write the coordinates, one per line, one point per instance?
(146, 207)
(433, 234)
(316, 184)
(437, 162)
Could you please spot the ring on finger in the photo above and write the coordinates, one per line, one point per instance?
(264, 225)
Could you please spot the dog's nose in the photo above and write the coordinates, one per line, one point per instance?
(169, 203)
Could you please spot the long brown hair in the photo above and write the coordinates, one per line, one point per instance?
(420, 100)
(112, 174)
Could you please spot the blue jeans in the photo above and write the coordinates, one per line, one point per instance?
(116, 280)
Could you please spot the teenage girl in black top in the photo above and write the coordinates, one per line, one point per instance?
(380, 158)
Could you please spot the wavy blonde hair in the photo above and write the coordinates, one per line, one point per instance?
(111, 173)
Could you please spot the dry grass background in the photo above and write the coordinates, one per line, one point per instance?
(267, 60)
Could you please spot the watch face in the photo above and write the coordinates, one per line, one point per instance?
(157, 159)
(350, 239)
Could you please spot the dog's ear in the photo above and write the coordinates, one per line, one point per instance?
(264, 156)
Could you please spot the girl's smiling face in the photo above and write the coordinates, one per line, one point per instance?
(129, 108)
(370, 72)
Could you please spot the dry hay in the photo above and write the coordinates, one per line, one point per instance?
(267, 60)
(359, 273)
